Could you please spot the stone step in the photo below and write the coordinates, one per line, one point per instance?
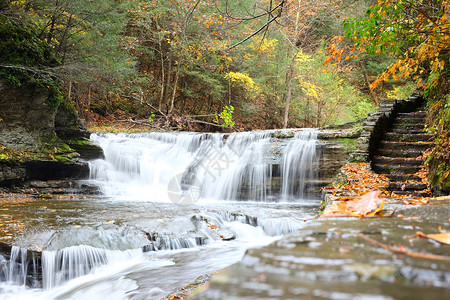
(403, 177)
(414, 193)
(400, 186)
(406, 137)
(398, 153)
(409, 121)
(387, 101)
(397, 161)
(416, 114)
(413, 146)
(395, 169)
(417, 127)
(407, 131)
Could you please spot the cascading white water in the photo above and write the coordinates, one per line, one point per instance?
(188, 168)
(237, 167)
(299, 163)
(66, 264)
(141, 166)
(15, 269)
(271, 226)
(172, 168)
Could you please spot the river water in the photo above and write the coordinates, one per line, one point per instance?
(172, 207)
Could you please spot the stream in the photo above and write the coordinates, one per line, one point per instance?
(172, 207)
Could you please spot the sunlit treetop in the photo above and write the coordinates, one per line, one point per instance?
(416, 32)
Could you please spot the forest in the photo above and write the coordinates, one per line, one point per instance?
(177, 63)
(229, 65)
(133, 126)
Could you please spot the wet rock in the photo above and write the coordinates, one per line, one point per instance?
(48, 170)
(171, 242)
(85, 148)
(31, 123)
(5, 250)
(59, 187)
(11, 172)
(26, 115)
(39, 184)
(328, 260)
(214, 227)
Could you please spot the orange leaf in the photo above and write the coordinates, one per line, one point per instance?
(368, 205)
(443, 238)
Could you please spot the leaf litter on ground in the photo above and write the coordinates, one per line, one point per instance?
(360, 196)
(366, 192)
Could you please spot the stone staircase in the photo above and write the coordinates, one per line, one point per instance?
(398, 155)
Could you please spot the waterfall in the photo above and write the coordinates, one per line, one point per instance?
(213, 170)
(193, 167)
(299, 164)
(68, 263)
(15, 270)
(238, 170)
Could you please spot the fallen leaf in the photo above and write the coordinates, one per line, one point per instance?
(368, 205)
(443, 238)
(336, 208)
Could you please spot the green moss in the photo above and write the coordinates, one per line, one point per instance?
(78, 142)
(439, 176)
(64, 158)
(59, 152)
(350, 143)
(51, 148)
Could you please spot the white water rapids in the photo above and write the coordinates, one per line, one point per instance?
(173, 207)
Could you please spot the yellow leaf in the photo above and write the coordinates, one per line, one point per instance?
(443, 238)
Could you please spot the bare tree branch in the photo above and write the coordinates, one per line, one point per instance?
(268, 12)
(265, 26)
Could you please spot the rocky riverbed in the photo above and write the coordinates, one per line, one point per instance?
(348, 258)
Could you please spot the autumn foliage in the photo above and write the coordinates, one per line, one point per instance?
(362, 193)
(417, 33)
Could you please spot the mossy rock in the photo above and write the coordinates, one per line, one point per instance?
(349, 143)
(439, 178)
(86, 148)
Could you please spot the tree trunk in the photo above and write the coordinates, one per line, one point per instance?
(88, 106)
(70, 90)
(174, 92)
(161, 96)
(290, 79)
